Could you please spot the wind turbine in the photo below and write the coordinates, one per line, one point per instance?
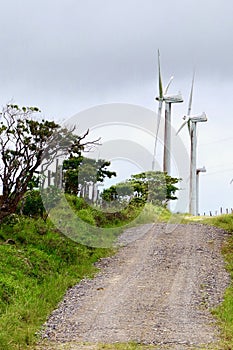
(192, 121)
(168, 99)
(198, 171)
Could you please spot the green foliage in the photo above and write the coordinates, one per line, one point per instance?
(87, 216)
(80, 171)
(51, 196)
(152, 213)
(32, 204)
(25, 143)
(37, 203)
(120, 192)
(154, 187)
(77, 203)
(71, 174)
(223, 221)
(38, 265)
(224, 312)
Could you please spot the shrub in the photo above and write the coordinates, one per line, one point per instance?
(87, 216)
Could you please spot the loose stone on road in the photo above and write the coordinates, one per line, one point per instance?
(156, 290)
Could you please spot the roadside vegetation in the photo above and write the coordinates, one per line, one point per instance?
(39, 262)
(224, 312)
(38, 265)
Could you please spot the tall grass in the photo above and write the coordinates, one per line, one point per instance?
(224, 312)
(38, 264)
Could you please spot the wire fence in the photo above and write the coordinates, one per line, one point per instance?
(221, 211)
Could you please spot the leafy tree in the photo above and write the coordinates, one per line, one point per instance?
(155, 187)
(26, 142)
(81, 171)
(110, 194)
(71, 174)
(121, 192)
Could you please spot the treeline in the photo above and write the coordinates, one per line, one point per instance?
(29, 145)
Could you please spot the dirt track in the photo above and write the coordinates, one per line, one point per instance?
(156, 290)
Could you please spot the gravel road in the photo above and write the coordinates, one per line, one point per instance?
(156, 290)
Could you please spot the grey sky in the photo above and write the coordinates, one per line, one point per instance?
(68, 55)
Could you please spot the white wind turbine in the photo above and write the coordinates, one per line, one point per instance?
(198, 171)
(192, 121)
(168, 99)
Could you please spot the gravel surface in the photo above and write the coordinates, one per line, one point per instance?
(156, 290)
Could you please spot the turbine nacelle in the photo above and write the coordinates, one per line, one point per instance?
(194, 119)
(171, 98)
(197, 118)
(201, 170)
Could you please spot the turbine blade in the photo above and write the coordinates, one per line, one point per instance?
(160, 78)
(157, 131)
(189, 126)
(191, 96)
(167, 87)
(186, 121)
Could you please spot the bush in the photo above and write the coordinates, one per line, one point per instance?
(77, 203)
(32, 204)
(87, 216)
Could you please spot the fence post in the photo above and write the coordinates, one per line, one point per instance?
(49, 178)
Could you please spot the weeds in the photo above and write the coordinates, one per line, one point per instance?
(36, 270)
(38, 265)
(224, 312)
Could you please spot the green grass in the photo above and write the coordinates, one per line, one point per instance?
(224, 312)
(38, 265)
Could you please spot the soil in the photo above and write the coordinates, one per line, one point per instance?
(158, 289)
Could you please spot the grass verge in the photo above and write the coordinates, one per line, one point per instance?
(38, 265)
(224, 312)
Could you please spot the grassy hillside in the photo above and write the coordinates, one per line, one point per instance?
(38, 264)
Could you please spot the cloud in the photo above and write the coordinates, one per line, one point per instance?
(68, 55)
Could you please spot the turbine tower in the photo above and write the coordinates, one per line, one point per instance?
(168, 99)
(192, 121)
(198, 171)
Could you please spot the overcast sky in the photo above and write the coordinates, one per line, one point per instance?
(65, 56)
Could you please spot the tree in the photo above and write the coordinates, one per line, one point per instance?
(26, 142)
(153, 186)
(121, 192)
(81, 172)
